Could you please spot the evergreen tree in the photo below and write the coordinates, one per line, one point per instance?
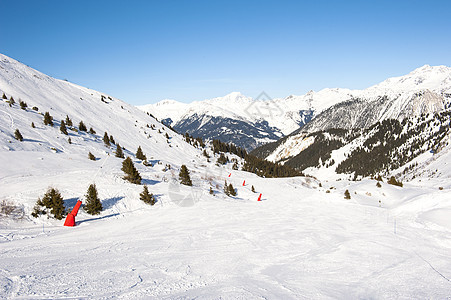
(167, 136)
(378, 184)
(106, 139)
(184, 176)
(253, 189)
(146, 196)
(347, 195)
(92, 131)
(82, 126)
(140, 155)
(32, 125)
(48, 119)
(222, 159)
(131, 174)
(91, 156)
(235, 166)
(226, 188)
(4, 96)
(93, 205)
(119, 152)
(69, 141)
(232, 191)
(63, 128)
(52, 201)
(211, 191)
(18, 135)
(206, 154)
(23, 105)
(112, 140)
(68, 121)
(11, 100)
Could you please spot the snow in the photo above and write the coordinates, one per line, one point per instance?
(299, 242)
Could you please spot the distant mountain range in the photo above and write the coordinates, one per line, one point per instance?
(250, 123)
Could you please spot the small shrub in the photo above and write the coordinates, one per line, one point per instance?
(91, 156)
(82, 126)
(378, 184)
(393, 181)
(18, 135)
(347, 195)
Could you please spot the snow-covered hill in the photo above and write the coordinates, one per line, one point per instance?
(304, 240)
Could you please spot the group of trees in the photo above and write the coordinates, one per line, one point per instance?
(52, 203)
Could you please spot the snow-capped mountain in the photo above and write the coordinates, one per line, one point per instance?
(249, 122)
(426, 90)
(245, 121)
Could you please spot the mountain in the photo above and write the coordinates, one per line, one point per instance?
(424, 91)
(197, 242)
(250, 123)
(242, 120)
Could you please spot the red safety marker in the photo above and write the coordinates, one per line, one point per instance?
(244, 182)
(70, 219)
(260, 198)
(230, 174)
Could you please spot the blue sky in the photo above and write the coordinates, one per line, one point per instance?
(145, 51)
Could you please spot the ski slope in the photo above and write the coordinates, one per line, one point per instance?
(303, 241)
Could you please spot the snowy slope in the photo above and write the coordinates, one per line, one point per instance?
(302, 241)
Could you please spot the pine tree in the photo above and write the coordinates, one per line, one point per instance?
(63, 128)
(119, 152)
(52, 201)
(93, 205)
(347, 195)
(23, 105)
(92, 131)
(4, 96)
(106, 139)
(69, 141)
(112, 140)
(232, 191)
(91, 156)
(11, 100)
(82, 126)
(140, 155)
(211, 191)
(393, 181)
(226, 188)
(48, 119)
(205, 154)
(68, 121)
(18, 135)
(184, 176)
(222, 159)
(32, 125)
(167, 136)
(132, 175)
(253, 189)
(378, 184)
(146, 196)
(235, 166)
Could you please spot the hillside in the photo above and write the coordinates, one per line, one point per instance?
(303, 240)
